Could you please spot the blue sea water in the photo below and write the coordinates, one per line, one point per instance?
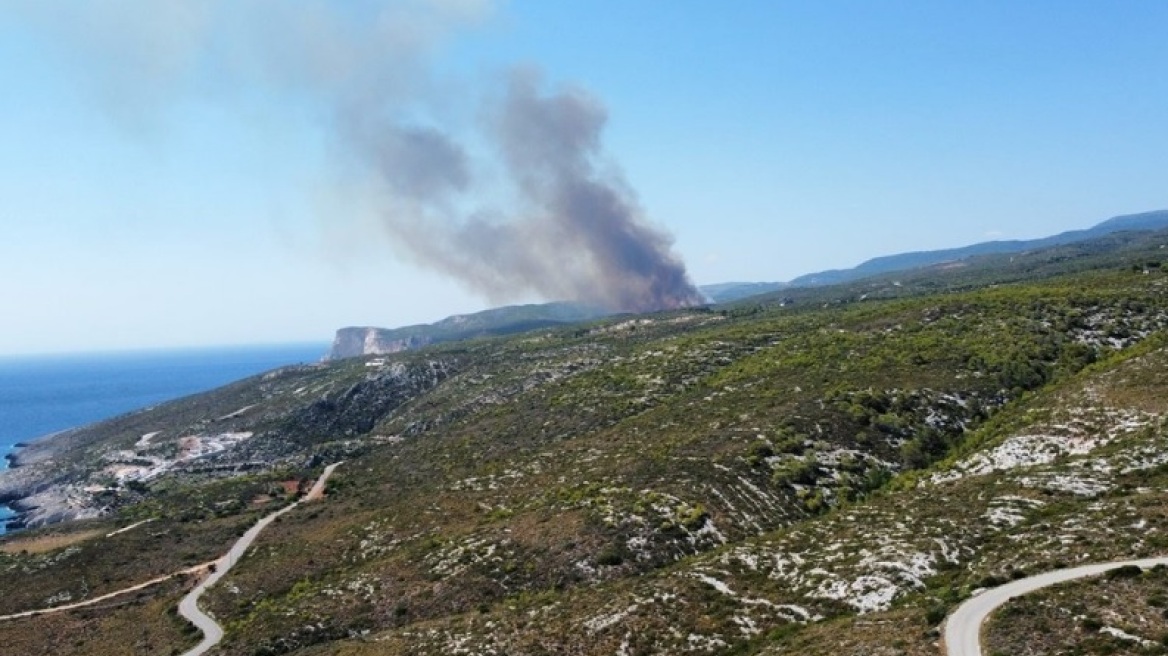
(44, 394)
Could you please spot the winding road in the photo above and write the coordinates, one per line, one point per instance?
(963, 628)
(189, 606)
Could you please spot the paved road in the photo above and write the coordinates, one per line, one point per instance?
(189, 606)
(963, 629)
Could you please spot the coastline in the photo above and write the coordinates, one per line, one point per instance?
(27, 491)
(7, 513)
(50, 405)
(10, 512)
(11, 459)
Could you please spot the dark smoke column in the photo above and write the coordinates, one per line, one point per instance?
(550, 144)
(574, 231)
(567, 227)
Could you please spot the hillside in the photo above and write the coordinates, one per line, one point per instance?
(824, 472)
(356, 341)
(732, 291)
(1146, 221)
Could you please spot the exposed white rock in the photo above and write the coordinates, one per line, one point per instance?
(1124, 635)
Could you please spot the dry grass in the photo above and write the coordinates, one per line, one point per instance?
(100, 565)
(46, 543)
(894, 633)
(139, 625)
(1081, 618)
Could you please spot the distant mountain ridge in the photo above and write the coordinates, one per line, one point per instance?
(912, 260)
(732, 291)
(725, 292)
(355, 341)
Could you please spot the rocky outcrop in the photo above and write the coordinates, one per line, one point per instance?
(61, 503)
(263, 422)
(356, 341)
(357, 410)
(32, 485)
(30, 467)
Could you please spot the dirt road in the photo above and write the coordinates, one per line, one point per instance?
(189, 606)
(105, 597)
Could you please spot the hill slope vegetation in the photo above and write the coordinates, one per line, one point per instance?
(824, 474)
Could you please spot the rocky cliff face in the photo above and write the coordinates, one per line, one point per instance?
(366, 340)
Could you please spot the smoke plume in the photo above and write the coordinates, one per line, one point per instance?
(568, 227)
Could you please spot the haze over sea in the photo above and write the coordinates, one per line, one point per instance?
(44, 394)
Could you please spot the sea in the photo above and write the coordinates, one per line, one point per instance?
(45, 394)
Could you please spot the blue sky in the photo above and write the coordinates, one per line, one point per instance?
(154, 195)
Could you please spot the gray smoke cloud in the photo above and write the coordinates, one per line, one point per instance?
(570, 229)
(578, 233)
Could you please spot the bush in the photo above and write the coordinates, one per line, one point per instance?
(759, 452)
(990, 581)
(803, 472)
(610, 556)
(1125, 572)
(1091, 624)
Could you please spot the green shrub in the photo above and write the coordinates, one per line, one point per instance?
(1125, 572)
(610, 556)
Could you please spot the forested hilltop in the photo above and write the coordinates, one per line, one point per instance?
(821, 471)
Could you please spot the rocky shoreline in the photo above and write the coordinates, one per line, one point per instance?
(11, 519)
(32, 491)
